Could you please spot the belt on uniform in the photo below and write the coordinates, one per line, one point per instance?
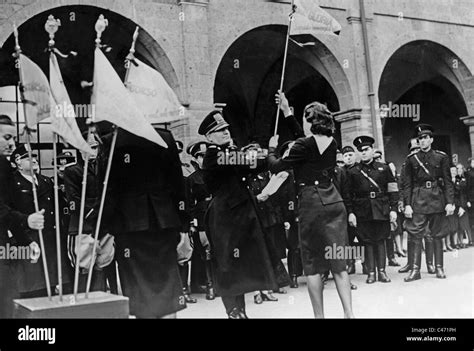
(428, 184)
(371, 194)
(315, 183)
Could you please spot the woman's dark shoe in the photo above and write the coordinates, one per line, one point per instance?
(258, 299)
(268, 297)
(294, 282)
(236, 313)
(401, 254)
(353, 287)
(440, 273)
(392, 262)
(383, 277)
(188, 298)
(370, 278)
(243, 315)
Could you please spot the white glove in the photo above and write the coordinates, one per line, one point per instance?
(287, 226)
(461, 212)
(450, 209)
(352, 220)
(468, 204)
(408, 211)
(35, 252)
(393, 216)
(262, 197)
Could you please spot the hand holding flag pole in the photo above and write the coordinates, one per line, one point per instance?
(285, 56)
(51, 26)
(18, 56)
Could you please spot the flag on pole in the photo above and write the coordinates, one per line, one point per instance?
(309, 18)
(114, 103)
(63, 119)
(36, 92)
(152, 93)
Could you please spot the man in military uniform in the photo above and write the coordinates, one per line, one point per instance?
(349, 157)
(371, 195)
(428, 196)
(240, 258)
(198, 199)
(11, 218)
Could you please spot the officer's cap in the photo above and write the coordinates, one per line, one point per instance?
(347, 149)
(362, 141)
(213, 122)
(424, 129)
(21, 152)
(413, 144)
(196, 149)
(65, 158)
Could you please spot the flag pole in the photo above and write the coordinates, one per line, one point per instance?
(32, 173)
(285, 56)
(128, 62)
(99, 28)
(51, 27)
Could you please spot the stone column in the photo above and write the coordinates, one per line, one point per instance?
(469, 121)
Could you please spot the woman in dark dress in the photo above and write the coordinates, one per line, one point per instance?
(322, 215)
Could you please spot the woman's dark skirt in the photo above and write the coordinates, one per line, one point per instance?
(149, 273)
(322, 227)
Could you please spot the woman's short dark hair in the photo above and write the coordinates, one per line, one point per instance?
(321, 119)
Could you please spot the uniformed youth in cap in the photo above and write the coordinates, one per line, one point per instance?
(196, 149)
(347, 149)
(213, 122)
(21, 152)
(362, 141)
(65, 158)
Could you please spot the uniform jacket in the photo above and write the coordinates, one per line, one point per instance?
(73, 176)
(460, 192)
(10, 218)
(366, 200)
(30, 275)
(146, 187)
(423, 199)
(198, 198)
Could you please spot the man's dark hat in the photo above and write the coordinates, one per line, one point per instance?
(21, 152)
(424, 129)
(196, 149)
(347, 149)
(212, 122)
(362, 141)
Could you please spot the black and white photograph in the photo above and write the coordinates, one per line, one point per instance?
(237, 159)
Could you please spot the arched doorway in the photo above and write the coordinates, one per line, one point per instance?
(421, 83)
(77, 34)
(249, 76)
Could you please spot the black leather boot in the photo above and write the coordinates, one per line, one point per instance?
(370, 263)
(210, 295)
(236, 313)
(409, 264)
(415, 270)
(439, 258)
(380, 257)
(429, 255)
(391, 253)
(184, 273)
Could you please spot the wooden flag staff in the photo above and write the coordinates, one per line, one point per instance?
(32, 173)
(100, 26)
(51, 26)
(285, 56)
(128, 61)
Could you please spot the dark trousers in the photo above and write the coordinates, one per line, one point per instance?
(422, 225)
(231, 302)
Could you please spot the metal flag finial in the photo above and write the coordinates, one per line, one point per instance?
(100, 26)
(51, 26)
(17, 42)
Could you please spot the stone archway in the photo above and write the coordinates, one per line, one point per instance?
(427, 83)
(249, 75)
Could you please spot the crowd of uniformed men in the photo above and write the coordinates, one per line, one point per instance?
(229, 222)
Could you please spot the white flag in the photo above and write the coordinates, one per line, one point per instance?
(152, 93)
(36, 92)
(63, 119)
(309, 18)
(114, 103)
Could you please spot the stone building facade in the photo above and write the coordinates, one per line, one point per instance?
(230, 52)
